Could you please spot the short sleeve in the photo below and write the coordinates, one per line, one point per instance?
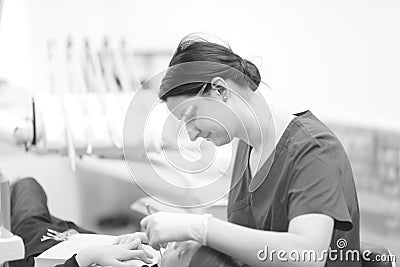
(316, 185)
(71, 262)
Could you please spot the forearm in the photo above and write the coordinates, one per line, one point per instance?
(245, 243)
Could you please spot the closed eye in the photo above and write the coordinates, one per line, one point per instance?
(180, 254)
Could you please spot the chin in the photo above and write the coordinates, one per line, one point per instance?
(220, 141)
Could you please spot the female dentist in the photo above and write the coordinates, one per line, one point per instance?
(292, 191)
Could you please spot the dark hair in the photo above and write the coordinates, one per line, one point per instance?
(196, 61)
(208, 257)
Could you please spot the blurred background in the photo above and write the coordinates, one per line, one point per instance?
(340, 59)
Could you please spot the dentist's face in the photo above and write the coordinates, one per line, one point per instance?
(179, 254)
(208, 118)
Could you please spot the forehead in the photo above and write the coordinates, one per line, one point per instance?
(178, 104)
(189, 247)
(171, 258)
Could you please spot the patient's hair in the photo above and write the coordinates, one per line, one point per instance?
(209, 257)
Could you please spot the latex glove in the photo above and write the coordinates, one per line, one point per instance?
(128, 238)
(113, 255)
(164, 227)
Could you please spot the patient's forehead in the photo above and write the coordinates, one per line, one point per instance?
(192, 245)
(186, 248)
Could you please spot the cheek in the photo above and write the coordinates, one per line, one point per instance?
(206, 127)
(221, 118)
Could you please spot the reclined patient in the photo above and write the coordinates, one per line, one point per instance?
(31, 220)
(193, 254)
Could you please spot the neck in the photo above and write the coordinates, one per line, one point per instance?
(264, 124)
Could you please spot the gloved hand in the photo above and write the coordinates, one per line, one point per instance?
(128, 238)
(164, 227)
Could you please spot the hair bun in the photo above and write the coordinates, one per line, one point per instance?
(251, 71)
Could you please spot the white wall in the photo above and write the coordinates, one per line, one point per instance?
(341, 59)
(15, 58)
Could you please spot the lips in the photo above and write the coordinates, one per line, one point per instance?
(208, 136)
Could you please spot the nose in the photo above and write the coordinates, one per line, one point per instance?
(193, 132)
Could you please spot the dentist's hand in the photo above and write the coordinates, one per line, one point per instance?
(164, 227)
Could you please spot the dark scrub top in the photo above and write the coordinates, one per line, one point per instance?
(310, 173)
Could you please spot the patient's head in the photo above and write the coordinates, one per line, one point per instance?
(193, 254)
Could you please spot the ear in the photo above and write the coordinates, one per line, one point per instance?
(219, 88)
